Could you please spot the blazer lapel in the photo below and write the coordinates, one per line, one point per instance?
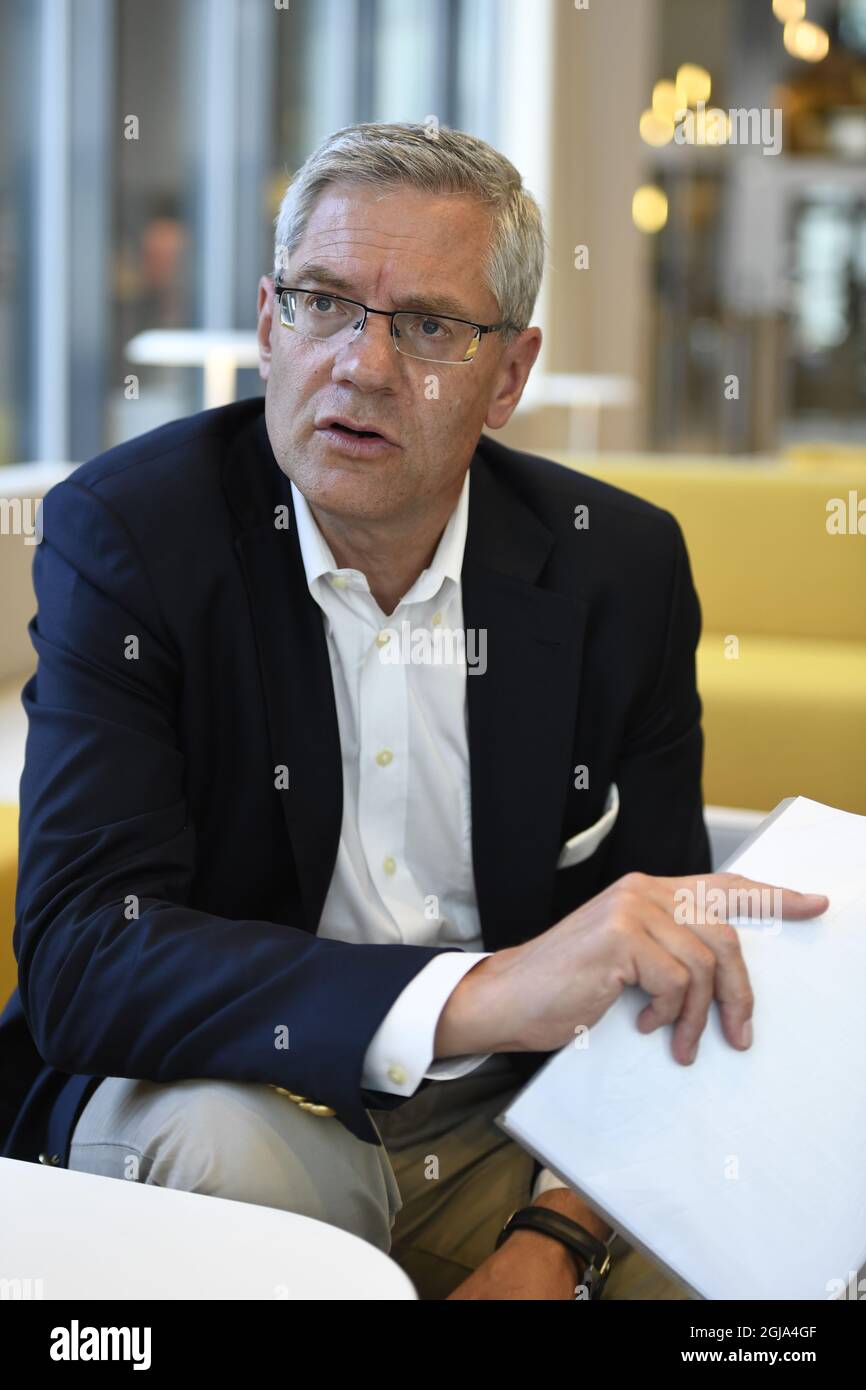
(521, 710)
(295, 667)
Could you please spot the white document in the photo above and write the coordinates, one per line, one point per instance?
(744, 1174)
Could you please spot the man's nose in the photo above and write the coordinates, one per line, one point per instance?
(370, 357)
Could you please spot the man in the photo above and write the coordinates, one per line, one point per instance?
(277, 876)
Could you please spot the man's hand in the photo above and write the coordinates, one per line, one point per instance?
(531, 1265)
(532, 998)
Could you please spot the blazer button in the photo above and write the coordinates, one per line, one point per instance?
(281, 1090)
(53, 1159)
(303, 1103)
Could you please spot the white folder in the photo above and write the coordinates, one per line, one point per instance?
(744, 1174)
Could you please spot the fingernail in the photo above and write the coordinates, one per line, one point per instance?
(746, 1034)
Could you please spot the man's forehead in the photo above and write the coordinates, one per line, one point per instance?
(397, 209)
(356, 234)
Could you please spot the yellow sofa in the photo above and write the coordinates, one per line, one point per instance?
(785, 700)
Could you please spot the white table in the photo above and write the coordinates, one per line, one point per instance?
(104, 1238)
(582, 393)
(218, 352)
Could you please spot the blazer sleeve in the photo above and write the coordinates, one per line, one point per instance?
(660, 827)
(118, 974)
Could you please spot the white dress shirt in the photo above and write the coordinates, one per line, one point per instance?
(404, 864)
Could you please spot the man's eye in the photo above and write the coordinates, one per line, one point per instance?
(431, 327)
(316, 301)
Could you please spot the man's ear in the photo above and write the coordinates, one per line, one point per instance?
(514, 368)
(264, 324)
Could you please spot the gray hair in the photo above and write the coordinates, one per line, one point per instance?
(434, 160)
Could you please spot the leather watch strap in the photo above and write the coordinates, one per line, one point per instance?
(592, 1251)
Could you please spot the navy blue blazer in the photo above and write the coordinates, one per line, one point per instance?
(169, 890)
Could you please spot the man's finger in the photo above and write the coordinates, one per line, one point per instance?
(698, 910)
(751, 899)
(663, 978)
(700, 961)
(720, 897)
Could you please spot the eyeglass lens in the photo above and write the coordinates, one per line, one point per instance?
(428, 336)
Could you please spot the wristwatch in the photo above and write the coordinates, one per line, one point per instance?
(593, 1253)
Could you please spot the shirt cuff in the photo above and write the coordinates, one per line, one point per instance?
(400, 1053)
(545, 1182)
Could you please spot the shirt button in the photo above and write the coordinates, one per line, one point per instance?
(384, 757)
(383, 639)
(437, 618)
(389, 865)
(397, 1075)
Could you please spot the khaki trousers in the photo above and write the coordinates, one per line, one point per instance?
(434, 1196)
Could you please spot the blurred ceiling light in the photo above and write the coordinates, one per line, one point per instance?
(788, 10)
(807, 41)
(656, 129)
(649, 208)
(665, 99)
(693, 84)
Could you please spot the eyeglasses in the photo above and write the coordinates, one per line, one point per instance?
(431, 337)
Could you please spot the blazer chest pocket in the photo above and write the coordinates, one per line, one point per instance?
(587, 841)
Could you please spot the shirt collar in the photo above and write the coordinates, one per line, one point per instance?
(447, 562)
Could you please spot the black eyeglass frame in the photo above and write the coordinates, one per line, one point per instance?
(480, 328)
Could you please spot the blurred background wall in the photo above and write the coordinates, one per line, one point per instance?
(144, 145)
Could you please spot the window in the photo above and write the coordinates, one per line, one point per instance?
(144, 148)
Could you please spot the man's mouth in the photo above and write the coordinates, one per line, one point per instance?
(355, 440)
(357, 434)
